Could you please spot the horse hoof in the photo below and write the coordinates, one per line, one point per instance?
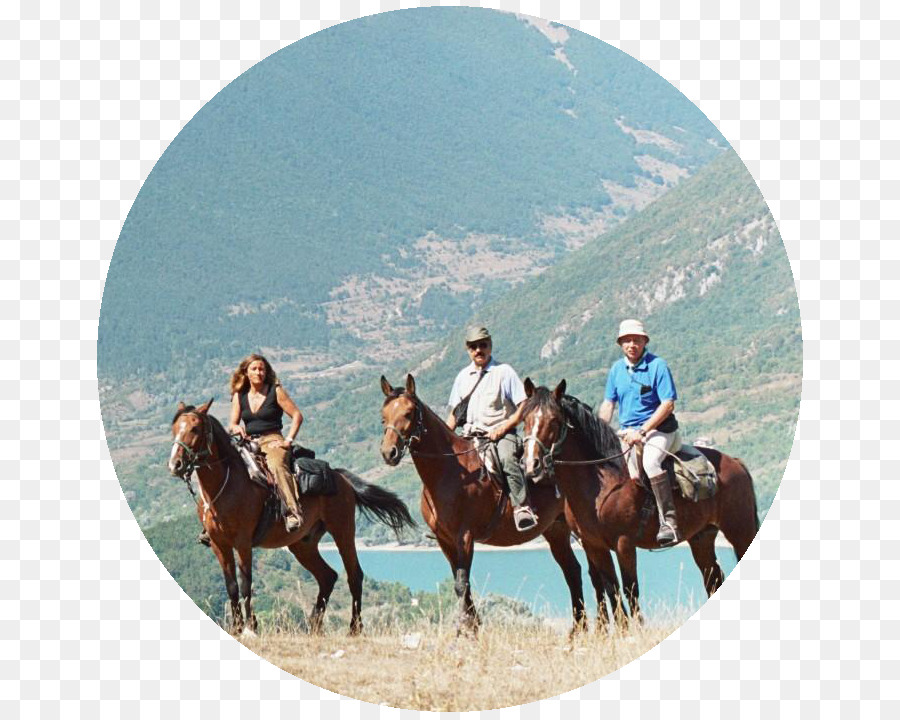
(248, 632)
(579, 628)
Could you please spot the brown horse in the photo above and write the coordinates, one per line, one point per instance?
(236, 513)
(462, 505)
(605, 507)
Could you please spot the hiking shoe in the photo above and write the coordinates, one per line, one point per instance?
(203, 538)
(292, 523)
(525, 518)
(667, 536)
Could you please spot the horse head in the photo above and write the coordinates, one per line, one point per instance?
(191, 438)
(401, 416)
(544, 428)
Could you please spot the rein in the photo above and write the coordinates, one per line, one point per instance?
(548, 456)
(418, 433)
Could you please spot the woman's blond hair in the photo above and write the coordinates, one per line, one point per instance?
(239, 380)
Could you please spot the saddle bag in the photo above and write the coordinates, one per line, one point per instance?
(692, 473)
(461, 411)
(314, 477)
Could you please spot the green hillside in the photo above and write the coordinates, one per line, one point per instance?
(704, 267)
(330, 158)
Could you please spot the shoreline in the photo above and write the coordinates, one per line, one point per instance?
(538, 544)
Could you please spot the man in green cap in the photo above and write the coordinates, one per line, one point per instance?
(494, 394)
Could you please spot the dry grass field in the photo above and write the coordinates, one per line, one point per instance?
(430, 668)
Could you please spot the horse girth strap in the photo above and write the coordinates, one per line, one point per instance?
(496, 516)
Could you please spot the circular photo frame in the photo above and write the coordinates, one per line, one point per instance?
(450, 358)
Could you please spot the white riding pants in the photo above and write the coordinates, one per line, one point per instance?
(656, 444)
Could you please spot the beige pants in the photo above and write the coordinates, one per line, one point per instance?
(655, 443)
(277, 458)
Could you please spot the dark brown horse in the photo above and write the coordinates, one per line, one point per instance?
(234, 511)
(604, 506)
(462, 505)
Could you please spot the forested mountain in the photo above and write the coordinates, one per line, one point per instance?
(364, 190)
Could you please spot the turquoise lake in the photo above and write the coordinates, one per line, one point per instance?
(670, 582)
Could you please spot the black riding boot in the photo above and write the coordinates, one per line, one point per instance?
(668, 526)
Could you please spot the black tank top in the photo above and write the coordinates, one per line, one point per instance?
(265, 420)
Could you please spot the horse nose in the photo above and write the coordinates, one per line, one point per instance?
(175, 465)
(391, 455)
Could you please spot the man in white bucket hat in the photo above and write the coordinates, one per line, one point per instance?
(642, 386)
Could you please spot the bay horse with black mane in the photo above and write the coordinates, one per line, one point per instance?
(563, 438)
(463, 506)
(238, 514)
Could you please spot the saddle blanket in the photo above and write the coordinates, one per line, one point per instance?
(693, 473)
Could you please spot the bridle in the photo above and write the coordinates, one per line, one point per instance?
(197, 459)
(547, 458)
(419, 431)
(405, 443)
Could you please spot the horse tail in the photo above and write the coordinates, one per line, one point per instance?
(752, 490)
(379, 504)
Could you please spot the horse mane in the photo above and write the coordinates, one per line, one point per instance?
(601, 439)
(395, 393)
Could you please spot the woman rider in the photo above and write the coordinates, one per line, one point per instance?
(259, 401)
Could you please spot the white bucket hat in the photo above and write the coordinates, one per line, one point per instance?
(631, 327)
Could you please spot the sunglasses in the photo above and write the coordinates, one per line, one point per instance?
(481, 345)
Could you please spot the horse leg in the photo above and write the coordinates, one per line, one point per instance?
(225, 556)
(558, 537)
(740, 528)
(460, 557)
(345, 540)
(245, 583)
(627, 555)
(703, 548)
(606, 586)
(307, 553)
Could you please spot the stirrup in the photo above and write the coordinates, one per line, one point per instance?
(525, 518)
(668, 536)
(292, 523)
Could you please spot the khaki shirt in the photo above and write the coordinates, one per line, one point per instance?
(494, 400)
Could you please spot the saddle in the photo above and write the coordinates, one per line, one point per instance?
(491, 467)
(690, 472)
(313, 477)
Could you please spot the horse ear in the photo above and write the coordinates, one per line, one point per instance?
(386, 386)
(529, 387)
(204, 408)
(181, 407)
(410, 385)
(560, 390)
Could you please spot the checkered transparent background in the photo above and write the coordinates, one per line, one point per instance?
(92, 93)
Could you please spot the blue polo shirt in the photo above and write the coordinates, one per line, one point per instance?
(639, 389)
